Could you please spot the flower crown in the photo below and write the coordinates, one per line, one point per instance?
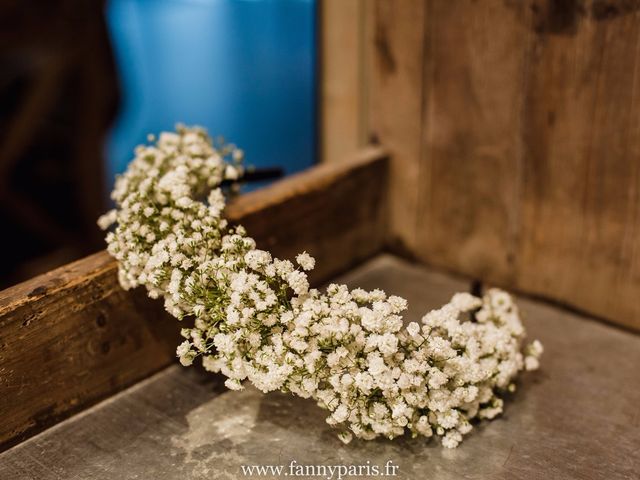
(257, 319)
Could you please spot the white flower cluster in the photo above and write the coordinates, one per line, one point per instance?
(257, 319)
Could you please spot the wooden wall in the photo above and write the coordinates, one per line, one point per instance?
(515, 137)
(343, 78)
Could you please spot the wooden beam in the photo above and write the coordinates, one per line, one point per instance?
(469, 184)
(72, 336)
(396, 39)
(343, 83)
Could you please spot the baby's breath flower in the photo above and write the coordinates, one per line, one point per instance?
(298, 282)
(413, 329)
(108, 219)
(255, 318)
(345, 437)
(306, 261)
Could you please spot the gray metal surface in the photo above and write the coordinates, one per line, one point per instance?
(578, 417)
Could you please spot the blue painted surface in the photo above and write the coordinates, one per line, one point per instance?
(244, 69)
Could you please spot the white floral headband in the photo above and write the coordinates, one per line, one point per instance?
(257, 319)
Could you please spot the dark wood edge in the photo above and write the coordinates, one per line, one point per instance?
(72, 336)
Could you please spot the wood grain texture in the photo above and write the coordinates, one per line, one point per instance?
(580, 227)
(524, 168)
(476, 71)
(562, 423)
(396, 70)
(73, 336)
(343, 84)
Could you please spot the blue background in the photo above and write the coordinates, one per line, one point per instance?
(244, 69)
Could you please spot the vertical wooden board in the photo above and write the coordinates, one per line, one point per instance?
(529, 175)
(476, 70)
(342, 81)
(395, 38)
(581, 201)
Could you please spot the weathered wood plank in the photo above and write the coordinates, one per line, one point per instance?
(73, 336)
(469, 189)
(396, 71)
(528, 174)
(343, 83)
(562, 423)
(580, 235)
